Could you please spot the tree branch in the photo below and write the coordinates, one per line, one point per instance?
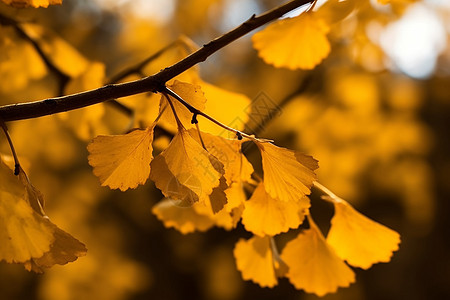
(153, 83)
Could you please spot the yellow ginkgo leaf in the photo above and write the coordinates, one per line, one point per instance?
(221, 218)
(183, 190)
(26, 235)
(184, 219)
(313, 264)
(288, 174)
(264, 215)
(33, 196)
(31, 3)
(64, 249)
(359, 240)
(218, 197)
(228, 152)
(192, 94)
(254, 259)
(294, 43)
(235, 196)
(122, 161)
(184, 170)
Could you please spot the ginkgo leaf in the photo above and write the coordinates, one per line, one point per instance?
(27, 236)
(359, 240)
(63, 250)
(228, 152)
(183, 190)
(288, 174)
(264, 215)
(33, 196)
(254, 259)
(294, 43)
(24, 234)
(31, 3)
(191, 166)
(313, 264)
(122, 161)
(196, 217)
(221, 218)
(235, 196)
(192, 94)
(184, 219)
(218, 198)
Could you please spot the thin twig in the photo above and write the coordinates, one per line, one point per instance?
(137, 69)
(195, 112)
(153, 83)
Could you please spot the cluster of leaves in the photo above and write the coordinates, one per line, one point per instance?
(205, 177)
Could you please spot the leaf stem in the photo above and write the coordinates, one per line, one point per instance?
(200, 136)
(17, 167)
(329, 195)
(179, 124)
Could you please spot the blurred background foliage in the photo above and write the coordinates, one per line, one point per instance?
(375, 114)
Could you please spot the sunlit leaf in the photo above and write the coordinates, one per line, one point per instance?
(235, 196)
(33, 196)
(184, 170)
(122, 161)
(288, 174)
(264, 215)
(63, 250)
(184, 219)
(294, 43)
(359, 240)
(228, 152)
(24, 234)
(27, 236)
(254, 258)
(313, 264)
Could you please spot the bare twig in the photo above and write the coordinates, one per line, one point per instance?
(154, 83)
(195, 112)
